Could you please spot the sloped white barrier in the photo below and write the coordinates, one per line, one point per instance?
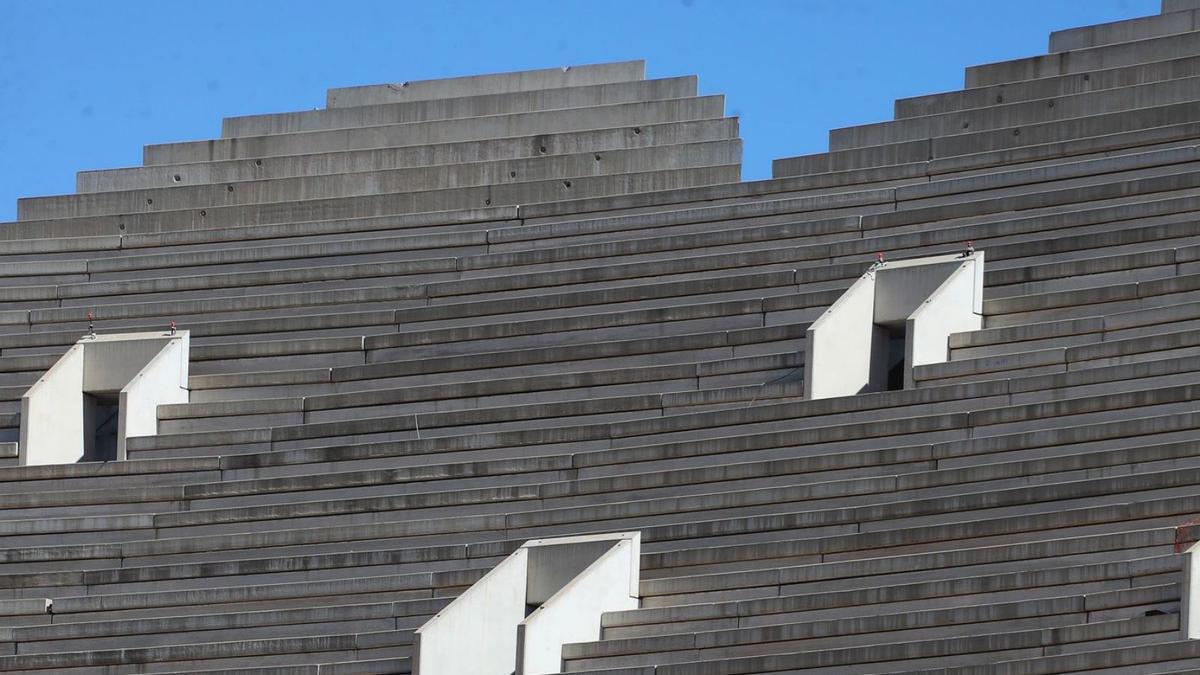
(518, 616)
(895, 316)
(125, 376)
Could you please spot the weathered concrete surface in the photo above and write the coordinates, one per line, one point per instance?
(526, 147)
(347, 184)
(474, 85)
(439, 131)
(466, 106)
(406, 362)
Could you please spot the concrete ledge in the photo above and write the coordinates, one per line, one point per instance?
(400, 180)
(1016, 114)
(462, 106)
(1106, 56)
(527, 80)
(1046, 87)
(439, 131)
(508, 148)
(1142, 28)
(995, 148)
(377, 205)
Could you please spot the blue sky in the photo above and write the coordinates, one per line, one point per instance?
(83, 85)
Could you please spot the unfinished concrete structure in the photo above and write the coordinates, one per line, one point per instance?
(437, 320)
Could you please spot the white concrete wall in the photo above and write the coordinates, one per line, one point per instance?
(902, 286)
(1189, 621)
(477, 632)
(145, 369)
(111, 361)
(163, 380)
(573, 613)
(846, 347)
(838, 344)
(949, 309)
(553, 563)
(568, 581)
(52, 414)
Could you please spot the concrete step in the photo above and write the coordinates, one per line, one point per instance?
(103, 266)
(1142, 28)
(475, 85)
(1017, 114)
(1086, 404)
(439, 131)
(1047, 87)
(1047, 139)
(933, 652)
(375, 205)
(840, 572)
(362, 401)
(875, 512)
(709, 420)
(211, 543)
(697, 347)
(1079, 60)
(1162, 656)
(408, 156)
(216, 655)
(667, 586)
(463, 106)
(970, 620)
(328, 186)
(202, 628)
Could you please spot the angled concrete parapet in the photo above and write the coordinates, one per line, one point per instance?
(105, 389)
(895, 316)
(519, 615)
